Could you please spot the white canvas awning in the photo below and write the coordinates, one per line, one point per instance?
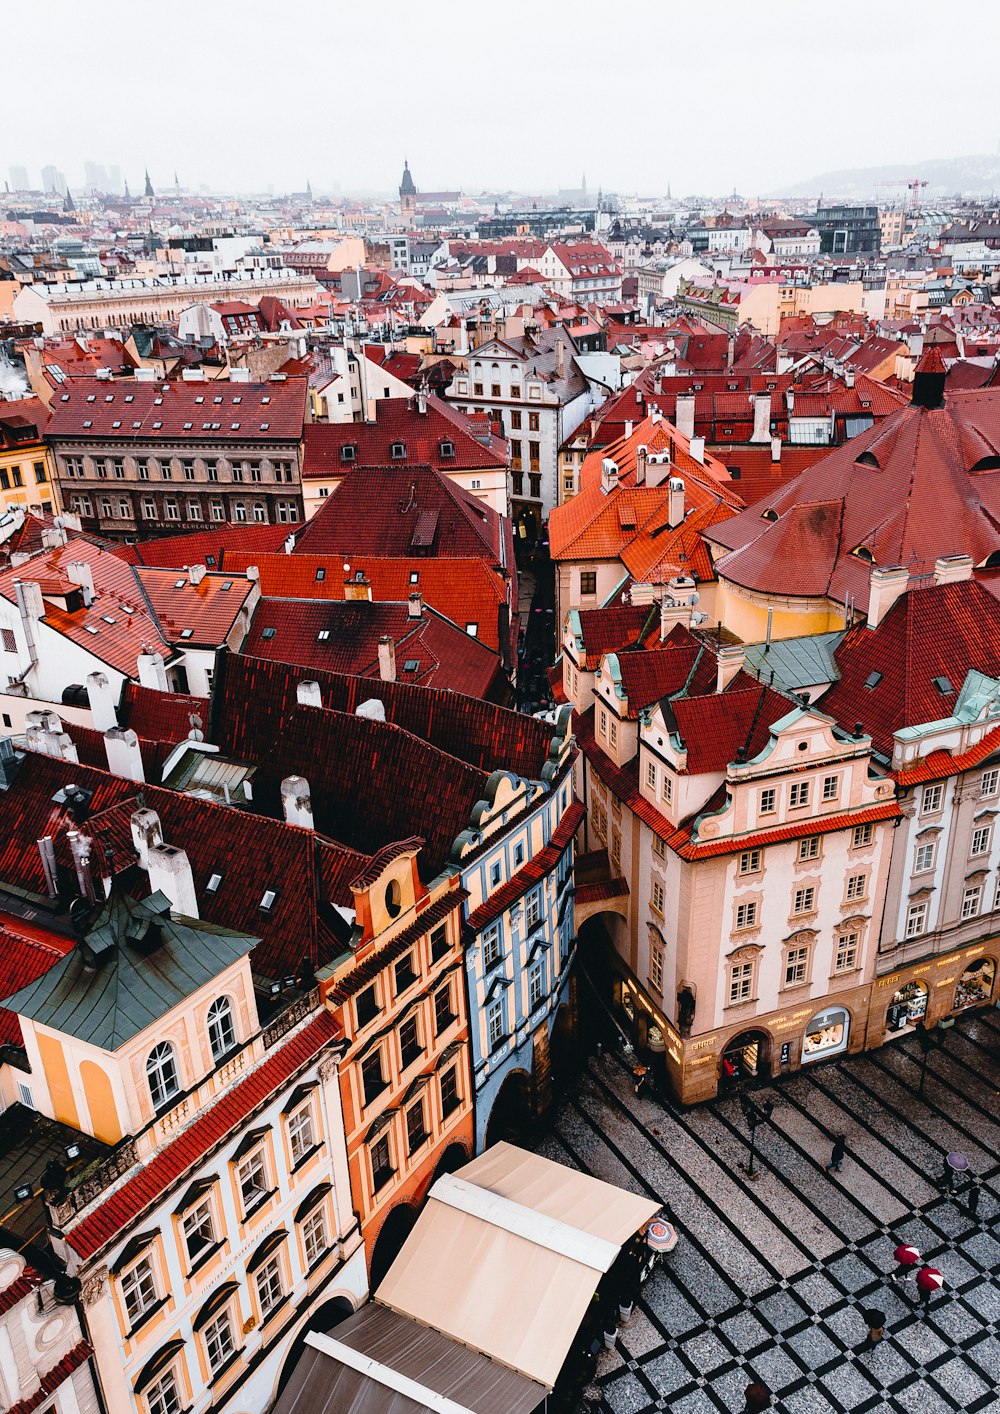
(507, 1254)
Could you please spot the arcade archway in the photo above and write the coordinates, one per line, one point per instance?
(512, 1115)
(395, 1230)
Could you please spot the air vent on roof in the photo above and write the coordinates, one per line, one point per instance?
(269, 633)
(943, 686)
(873, 680)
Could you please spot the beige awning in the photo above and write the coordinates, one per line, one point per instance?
(488, 1262)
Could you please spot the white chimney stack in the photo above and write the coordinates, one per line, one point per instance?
(952, 569)
(196, 574)
(775, 449)
(696, 446)
(641, 454)
(307, 693)
(80, 573)
(296, 801)
(885, 587)
(684, 415)
(609, 475)
(152, 673)
(629, 428)
(124, 754)
(761, 417)
(103, 706)
(414, 607)
(729, 660)
(675, 502)
(386, 659)
(170, 872)
(43, 732)
(147, 832)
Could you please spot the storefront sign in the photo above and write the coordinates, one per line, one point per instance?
(702, 1045)
(888, 981)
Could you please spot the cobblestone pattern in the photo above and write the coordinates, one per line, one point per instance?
(771, 1274)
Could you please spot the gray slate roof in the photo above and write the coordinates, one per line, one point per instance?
(795, 662)
(134, 966)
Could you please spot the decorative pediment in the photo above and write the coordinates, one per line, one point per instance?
(802, 936)
(746, 952)
(928, 831)
(924, 891)
(500, 983)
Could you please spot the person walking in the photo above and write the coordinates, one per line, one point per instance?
(757, 1398)
(973, 1200)
(875, 1320)
(929, 1280)
(640, 1074)
(907, 1256)
(837, 1154)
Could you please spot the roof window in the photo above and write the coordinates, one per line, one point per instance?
(234, 427)
(447, 449)
(91, 629)
(264, 426)
(108, 619)
(264, 401)
(320, 573)
(268, 900)
(157, 402)
(226, 584)
(136, 425)
(323, 635)
(873, 680)
(199, 399)
(109, 397)
(348, 453)
(91, 397)
(269, 633)
(216, 400)
(214, 882)
(179, 583)
(237, 399)
(411, 665)
(414, 576)
(116, 424)
(397, 451)
(943, 686)
(472, 630)
(88, 424)
(156, 425)
(187, 633)
(64, 398)
(188, 426)
(130, 397)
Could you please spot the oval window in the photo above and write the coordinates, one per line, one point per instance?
(393, 898)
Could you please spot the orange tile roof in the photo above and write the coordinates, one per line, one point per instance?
(208, 609)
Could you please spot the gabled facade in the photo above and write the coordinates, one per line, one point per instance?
(47, 1359)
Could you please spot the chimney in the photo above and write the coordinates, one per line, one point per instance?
(358, 587)
(629, 428)
(952, 569)
(848, 377)
(43, 732)
(147, 832)
(124, 754)
(386, 659)
(239, 375)
(80, 848)
(152, 673)
(19, 558)
(421, 400)
(196, 574)
(296, 801)
(80, 573)
(684, 415)
(884, 588)
(775, 449)
(289, 543)
(675, 502)
(609, 475)
(761, 417)
(790, 401)
(696, 446)
(560, 359)
(71, 520)
(784, 362)
(373, 709)
(307, 693)
(729, 660)
(640, 465)
(677, 604)
(170, 872)
(414, 606)
(53, 536)
(252, 573)
(103, 705)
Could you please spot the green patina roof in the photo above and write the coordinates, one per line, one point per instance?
(795, 662)
(135, 964)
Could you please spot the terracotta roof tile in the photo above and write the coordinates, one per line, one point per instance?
(179, 411)
(536, 869)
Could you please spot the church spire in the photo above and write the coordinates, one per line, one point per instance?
(149, 185)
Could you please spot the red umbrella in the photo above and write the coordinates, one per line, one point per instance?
(906, 1254)
(929, 1280)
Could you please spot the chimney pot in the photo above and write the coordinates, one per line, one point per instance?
(307, 693)
(885, 585)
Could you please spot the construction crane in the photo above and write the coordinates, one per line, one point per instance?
(914, 184)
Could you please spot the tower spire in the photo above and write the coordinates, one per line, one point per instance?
(149, 185)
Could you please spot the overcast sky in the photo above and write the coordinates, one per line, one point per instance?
(523, 94)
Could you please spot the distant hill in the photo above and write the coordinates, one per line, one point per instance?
(945, 177)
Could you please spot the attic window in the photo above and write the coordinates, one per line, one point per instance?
(214, 882)
(447, 449)
(237, 400)
(116, 424)
(943, 686)
(397, 451)
(130, 397)
(216, 400)
(863, 553)
(187, 633)
(868, 459)
(873, 680)
(188, 426)
(323, 635)
(91, 397)
(227, 584)
(411, 665)
(268, 900)
(88, 424)
(108, 619)
(91, 629)
(264, 401)
(156, 425)
(157, 402)
(269, 633)
(264, 426)
(109, 397)
(769, 514)
(414, 576)
(348, 453)
(179, 583)
(64, 398)
(234, 427)
(321, 573)
(135, 425)
(472, 630)
(199, 399)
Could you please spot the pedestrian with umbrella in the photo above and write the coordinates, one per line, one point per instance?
(757, 1398)
(907, 1256)
(929, 1280)
(875, 1320)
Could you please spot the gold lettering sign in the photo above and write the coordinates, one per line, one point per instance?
(701, 1045)
(888, 981)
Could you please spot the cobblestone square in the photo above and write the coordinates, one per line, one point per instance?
(772, 1273)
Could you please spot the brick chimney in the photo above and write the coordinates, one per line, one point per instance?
(885, 587)
(415, 606)
(386, 659)
(358, 587)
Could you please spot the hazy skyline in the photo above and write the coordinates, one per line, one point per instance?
(242, 96)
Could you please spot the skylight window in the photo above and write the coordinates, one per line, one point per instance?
(88, 424)
(91, 629)
(64, 398)
(109, 397)
(269, 633)
(214, 882)
(873, 680)
(227, 584)
(199, 399)
(130, 397)
(268, 900)
(411, 665)
(264, 401)
(188, 426)
(234, 427)
(414, 576)
(216, 400)
(943, 686)
(323, 635)
(187, 633)
(108, 619)
(320, 573)
(179, 583)
(91, 398)
(237, 400)
(136, 425)
(157, 424)
(264, 426)
(116, 424)
(157, 402)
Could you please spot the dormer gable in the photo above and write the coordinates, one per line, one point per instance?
(387, 891)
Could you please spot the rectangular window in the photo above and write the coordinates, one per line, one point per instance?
(252, 1178)
(916, 919)
(404, 973)
(923, 857)
(750, 861)
(857, 886)
(270, 1287)
(372, 1079)
(846, 955)
(990, 784)
(533, 908)
(40, 476)
(656, 966)
(139, 1290)
(982, 838)
(443, 1014)
(798, 795)
(219, 1344)
(492, 950)
(381, 1162)
(767, 801)
(366, 1006)
(198, 1227)
(7, 640)
(439, 942)
(409, 1041)
(612, 732)
(515, 421)
(163, 1396)
(930, 800)
(796, 966)
(416, 1129)
(533, 423)
(588, 581)
(658, 897)
(651, 775)
(808, 849)
(314, 1237)
(804, 900)
(494, 1026)
(746, 915)
(659, 847)
(449, 1091)
(863, 835)
(301, 1137)
(740, 982)
(536, 986)
(972, 899)
(668, 788)
(831, 787)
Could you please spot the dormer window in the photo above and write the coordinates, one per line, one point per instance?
(348, 453)
(447, 449)
(397, 451)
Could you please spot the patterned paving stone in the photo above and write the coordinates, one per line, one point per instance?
(667, 1372)
(744, 1331)
(847, 1386)
(813, 1347)
(961, 1381)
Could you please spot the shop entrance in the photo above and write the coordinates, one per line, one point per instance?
(746, 1057)
(907, 1007)
(826, 1035)
(975, 986)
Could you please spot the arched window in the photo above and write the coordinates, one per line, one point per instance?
(161, 1072)
(221, 1029)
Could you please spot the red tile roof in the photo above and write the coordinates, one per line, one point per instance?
(23, 1286)
(110, 1219)
(28, 952)
(205, 547)
(612, 629)
(537, 867)
(474, 445)
(202, 614)
(219, 411)
(161, 716)
(715, 727)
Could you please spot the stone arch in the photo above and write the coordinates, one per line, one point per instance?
(393, 1233)
(749, 1052)
(513, 1110)
(325, 1318)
